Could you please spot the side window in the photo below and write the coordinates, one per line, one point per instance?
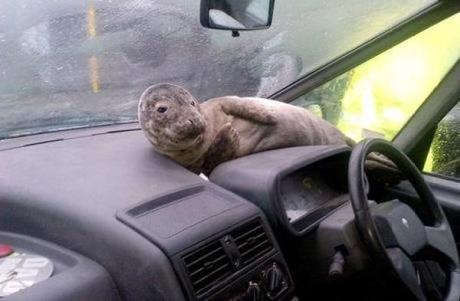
(378, 97)
(444, 155)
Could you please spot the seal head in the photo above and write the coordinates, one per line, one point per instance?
(170, 117)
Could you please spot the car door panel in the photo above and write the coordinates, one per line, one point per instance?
(447, 191)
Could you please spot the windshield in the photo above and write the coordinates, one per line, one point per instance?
(68, 64)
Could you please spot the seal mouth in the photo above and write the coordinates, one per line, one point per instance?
(191, 129)
(192, 133)
(185, 143)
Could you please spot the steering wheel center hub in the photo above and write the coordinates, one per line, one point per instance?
(399, 226)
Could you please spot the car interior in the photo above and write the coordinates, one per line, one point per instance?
(118, 221)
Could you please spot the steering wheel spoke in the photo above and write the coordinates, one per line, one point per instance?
(406, 271)
(440, 239)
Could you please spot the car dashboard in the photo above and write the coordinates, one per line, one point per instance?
(296, 187)
(140, 227)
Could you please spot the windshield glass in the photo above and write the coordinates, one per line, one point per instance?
(67, 64)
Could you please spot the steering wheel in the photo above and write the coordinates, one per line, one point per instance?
(393, 232)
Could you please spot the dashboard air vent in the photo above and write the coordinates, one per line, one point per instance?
(252, 242)
(207, 266)
(213, 263)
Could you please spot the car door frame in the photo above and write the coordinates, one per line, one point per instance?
(382, 42)
(416, 136)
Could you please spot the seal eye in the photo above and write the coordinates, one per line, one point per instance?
(162, 109)
(193, 103)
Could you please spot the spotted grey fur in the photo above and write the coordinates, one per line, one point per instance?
(201, 136)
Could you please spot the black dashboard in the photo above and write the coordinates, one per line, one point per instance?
(147, 229)
(296, 187)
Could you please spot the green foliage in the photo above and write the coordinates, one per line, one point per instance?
(446, 145)
(377, 98)
(386, 91)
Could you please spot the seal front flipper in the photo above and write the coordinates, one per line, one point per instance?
(223, 148)
(379, 169)
(382, 170)
(249, 110)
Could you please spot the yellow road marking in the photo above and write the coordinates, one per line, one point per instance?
(91, 22)
(94, 73)
(93, 62)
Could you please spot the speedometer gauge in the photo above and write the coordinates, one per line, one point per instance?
(310, 193)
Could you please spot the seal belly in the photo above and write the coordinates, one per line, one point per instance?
(295, 126)
(251, 136)
(301, 127)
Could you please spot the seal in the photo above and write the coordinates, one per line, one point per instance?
(201, 136)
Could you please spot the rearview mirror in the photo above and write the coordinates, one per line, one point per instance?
(237, 15)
